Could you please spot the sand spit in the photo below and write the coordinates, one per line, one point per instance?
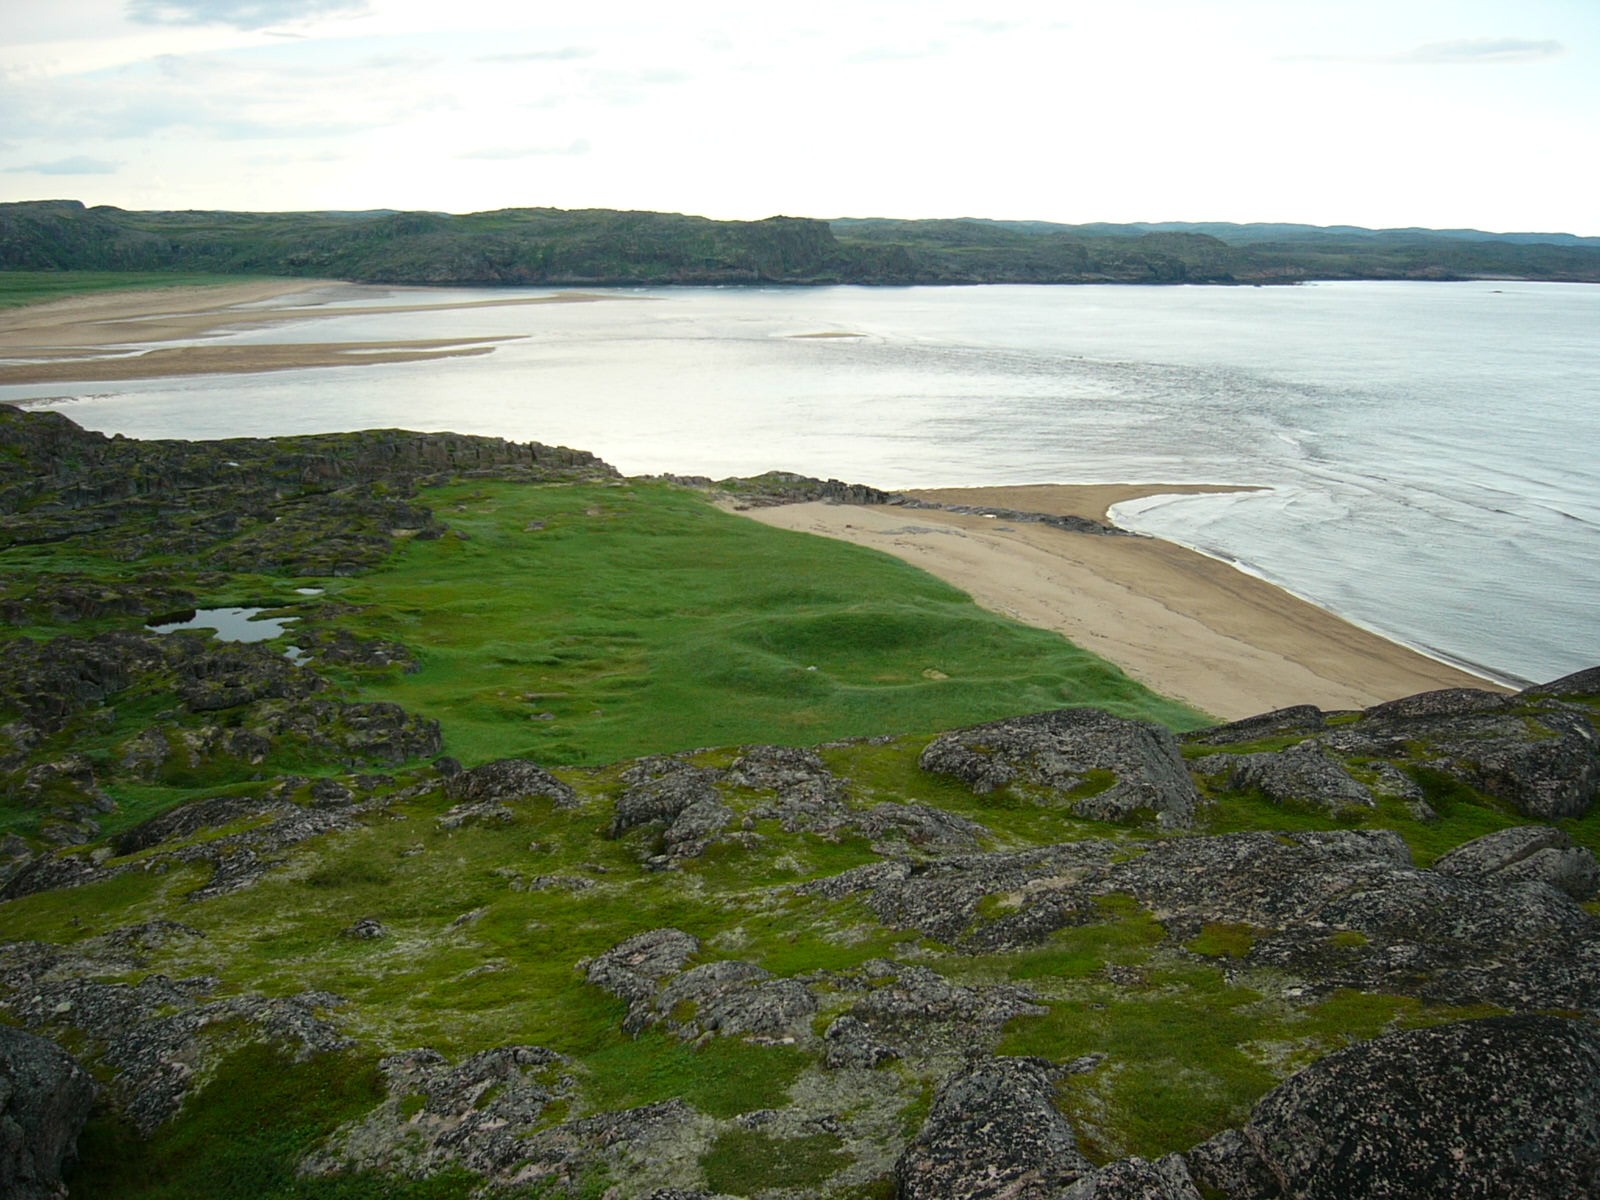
(67, 340)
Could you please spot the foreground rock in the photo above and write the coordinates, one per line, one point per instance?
(993, 1131)
(44, 1101)
(1527, 853)
(1081, 759)
(1478, 1110)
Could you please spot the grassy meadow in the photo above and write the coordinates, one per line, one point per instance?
(34, 287)
(583, 624)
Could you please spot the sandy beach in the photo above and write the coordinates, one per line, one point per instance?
(1185, 625)
(88, 338)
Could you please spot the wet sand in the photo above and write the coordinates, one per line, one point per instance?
(1185, 625)
(86, 338)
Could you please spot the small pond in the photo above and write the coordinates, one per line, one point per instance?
(231, 625)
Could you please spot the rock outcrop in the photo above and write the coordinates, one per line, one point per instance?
(1477, 1110)
(1080, 759)
(44, 1101)
(994, 1132)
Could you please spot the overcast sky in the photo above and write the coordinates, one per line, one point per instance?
(1475, 113)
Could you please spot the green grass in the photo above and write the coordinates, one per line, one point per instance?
(723, 1078)
(241, 1138)
(639, 619)
(32, 287)
(743, 1157)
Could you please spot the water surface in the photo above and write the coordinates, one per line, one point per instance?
(1428, 447)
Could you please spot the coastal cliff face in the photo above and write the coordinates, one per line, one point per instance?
(604, 246)
(306, 950)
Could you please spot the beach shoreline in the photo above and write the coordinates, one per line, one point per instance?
(1184, 624)
(101, 337)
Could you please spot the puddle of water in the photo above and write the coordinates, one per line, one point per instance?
(308, 591)
(228, 624)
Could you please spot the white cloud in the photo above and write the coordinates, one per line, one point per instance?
(564, 54)
(497, 153)
(239, 14)
(1486, 51)
(78, 164)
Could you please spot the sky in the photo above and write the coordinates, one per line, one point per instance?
(1458, 113)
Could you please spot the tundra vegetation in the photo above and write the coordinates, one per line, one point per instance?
(604, 246)
(571, 837)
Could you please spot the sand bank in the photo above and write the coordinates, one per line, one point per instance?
(1185, 625)
(71, 339)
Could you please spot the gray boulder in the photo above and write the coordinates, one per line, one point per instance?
(1301, 718)
(44, 1101)
(1135, 1178)
(1301, 774)
(1475, 1110)
(1545, 763)
(633, 969)
(661, 788)
(509, 779)
(1526, 853)
(1063, 757)
(732, 998)
(993, 1131)
(1579, 683)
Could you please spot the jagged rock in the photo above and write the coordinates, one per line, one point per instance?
(1545, 763)
(921, 826)
(44, 1101)
(634, 969)
(785, 487)
(154, 1035)
(1061, 757)
(659, 789)
(914, 1011)
(346, 649)
(1475, 1110)
(1301, 718)
(186, 820)
(236, 673)
(365, 930)
(1301, 774)
(509, 779)
(941, 898)
(65, 785)
(850, 1044)
(1526, 852)
(1136, 1178)
(15, 857)
(482, 792)
(476, 1115)
(237, 859)
(694, 828)
(780, 769)
(993, 1131)
(735, 999)
(1579, 683)
(1459, 941)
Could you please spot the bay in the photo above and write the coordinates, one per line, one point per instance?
(1427, 449)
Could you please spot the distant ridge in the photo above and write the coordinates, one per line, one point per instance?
(1237, 233)
(598, 247)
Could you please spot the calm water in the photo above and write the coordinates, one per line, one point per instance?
(1429, 447)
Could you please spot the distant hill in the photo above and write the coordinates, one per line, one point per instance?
(606, 246)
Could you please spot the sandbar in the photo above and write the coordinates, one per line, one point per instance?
(1183, 624)
(72, 339)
